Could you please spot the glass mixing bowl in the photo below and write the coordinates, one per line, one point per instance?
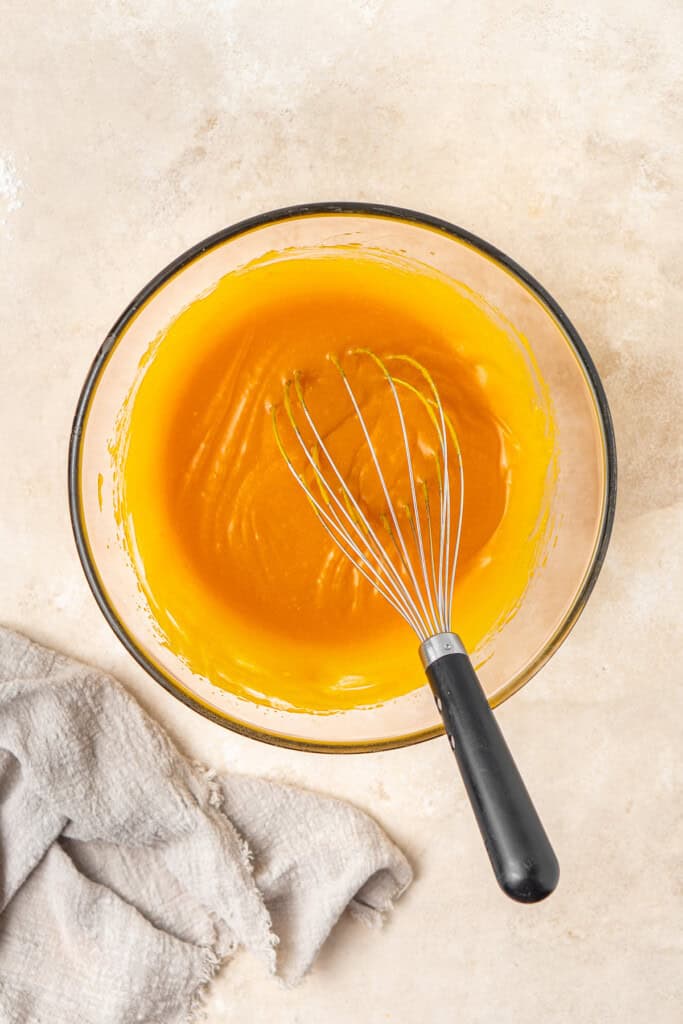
(583, 499)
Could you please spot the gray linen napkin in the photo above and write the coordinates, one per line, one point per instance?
(127, 874)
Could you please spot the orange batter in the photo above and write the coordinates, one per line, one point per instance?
(242, 581)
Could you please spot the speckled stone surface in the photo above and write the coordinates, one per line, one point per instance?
(129, 131)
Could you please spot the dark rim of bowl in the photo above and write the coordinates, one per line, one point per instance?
(310, 209)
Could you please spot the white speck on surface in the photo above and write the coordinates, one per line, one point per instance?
(11, 187)
(66, 596)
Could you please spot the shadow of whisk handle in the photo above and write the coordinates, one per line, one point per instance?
(520, 852)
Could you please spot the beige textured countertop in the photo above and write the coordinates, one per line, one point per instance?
(130, 130)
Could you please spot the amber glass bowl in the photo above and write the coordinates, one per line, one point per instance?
(583, 496)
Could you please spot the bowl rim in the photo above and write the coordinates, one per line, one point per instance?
(315, 209)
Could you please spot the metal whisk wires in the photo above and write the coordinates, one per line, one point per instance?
(409, 553)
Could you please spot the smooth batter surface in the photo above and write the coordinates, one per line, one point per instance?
(243, 582)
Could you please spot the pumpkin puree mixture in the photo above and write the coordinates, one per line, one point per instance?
(242, 581)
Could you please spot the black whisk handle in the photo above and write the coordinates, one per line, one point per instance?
(522, 858)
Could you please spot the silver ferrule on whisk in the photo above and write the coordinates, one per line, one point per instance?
(439, 646)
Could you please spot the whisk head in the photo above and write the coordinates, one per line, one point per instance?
(394, 506)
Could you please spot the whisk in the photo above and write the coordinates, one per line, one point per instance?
(397, 515)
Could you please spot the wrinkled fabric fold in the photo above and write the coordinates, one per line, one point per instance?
(128, 874)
